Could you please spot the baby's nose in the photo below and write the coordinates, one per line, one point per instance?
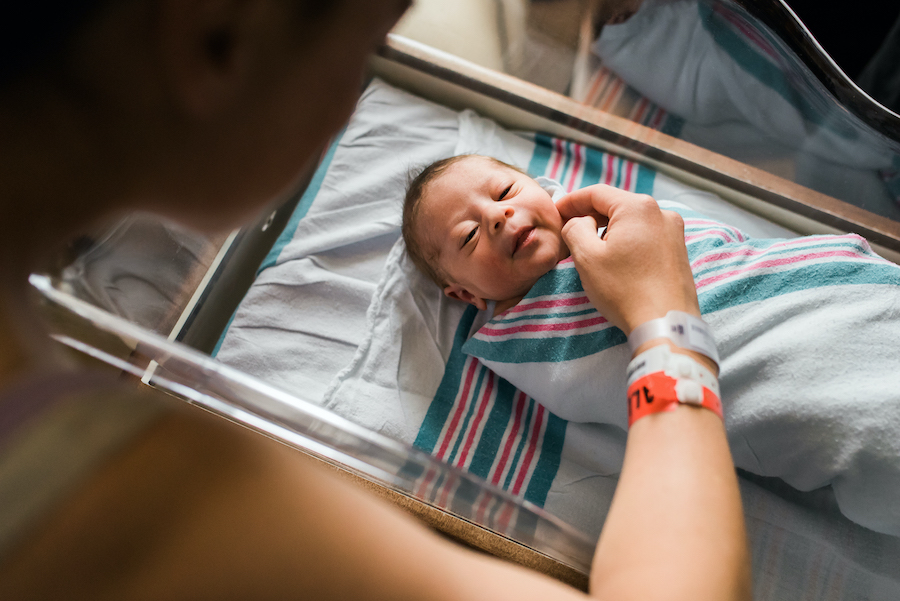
(502, 214)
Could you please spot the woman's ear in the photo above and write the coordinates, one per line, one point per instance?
(457, 292)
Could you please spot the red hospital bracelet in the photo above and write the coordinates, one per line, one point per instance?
(656, 392)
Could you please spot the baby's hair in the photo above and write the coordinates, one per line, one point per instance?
(415, 191)
(426, 260)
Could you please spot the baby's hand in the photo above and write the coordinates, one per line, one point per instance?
(639, 270)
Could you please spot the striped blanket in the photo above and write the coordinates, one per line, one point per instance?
(816, 320)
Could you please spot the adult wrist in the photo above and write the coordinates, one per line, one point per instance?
(681, 329)
(660, 379)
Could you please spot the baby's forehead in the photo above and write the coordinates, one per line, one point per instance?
(473, 170)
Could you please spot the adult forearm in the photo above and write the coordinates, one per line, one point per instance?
(675, 529)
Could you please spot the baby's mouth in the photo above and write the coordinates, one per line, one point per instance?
(522, 239)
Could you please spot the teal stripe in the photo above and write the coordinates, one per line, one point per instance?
(475, 395)
(548, 462)
(492, 436)
(593, 167)
(714, 244)
(645, 180)
(543, 316)
(540, 157)
(529, 350)
(619, 166)
(556, 281)
(514, 462)
(218, 346)
(740, 260)
(735, 293)
(303, 206)
(672, 125)
(442, 404)
(755, 288)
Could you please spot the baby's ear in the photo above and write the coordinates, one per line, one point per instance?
(459, 293)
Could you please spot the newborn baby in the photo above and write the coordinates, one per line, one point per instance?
(806, 328)
(482, 230)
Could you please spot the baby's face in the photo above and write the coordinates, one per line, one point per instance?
(496, 231)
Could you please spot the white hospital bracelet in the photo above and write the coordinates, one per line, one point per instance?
(690, 374)
(685, 330)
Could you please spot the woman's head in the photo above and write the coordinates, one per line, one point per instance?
(482, 229)
(200, 109)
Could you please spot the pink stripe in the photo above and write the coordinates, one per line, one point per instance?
(479, 415)
(749, 32)
(752, 252)
(595, 86)
(613, 93)
(549, 327)
(657, 119)
(504, 517)
(557, 149)
(520, 407)
(722, 233)
(448, 436)
(549, 304)
(776, 263)
(609, 170)
(532, 444)
(629, 170)
(579, 151)
(445, 492)
(482, 506)
(423, 487)
(640, 109)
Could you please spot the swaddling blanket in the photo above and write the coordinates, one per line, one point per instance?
(807, 330)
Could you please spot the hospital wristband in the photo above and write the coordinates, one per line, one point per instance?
(658, 380)
(683, 329)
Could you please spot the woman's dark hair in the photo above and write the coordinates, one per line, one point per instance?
(37, 33)
(34, 33)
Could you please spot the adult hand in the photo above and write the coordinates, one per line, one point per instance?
(639, 270)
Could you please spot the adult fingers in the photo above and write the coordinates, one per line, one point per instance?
(600, 201)
(582, 202)
(580, 233)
